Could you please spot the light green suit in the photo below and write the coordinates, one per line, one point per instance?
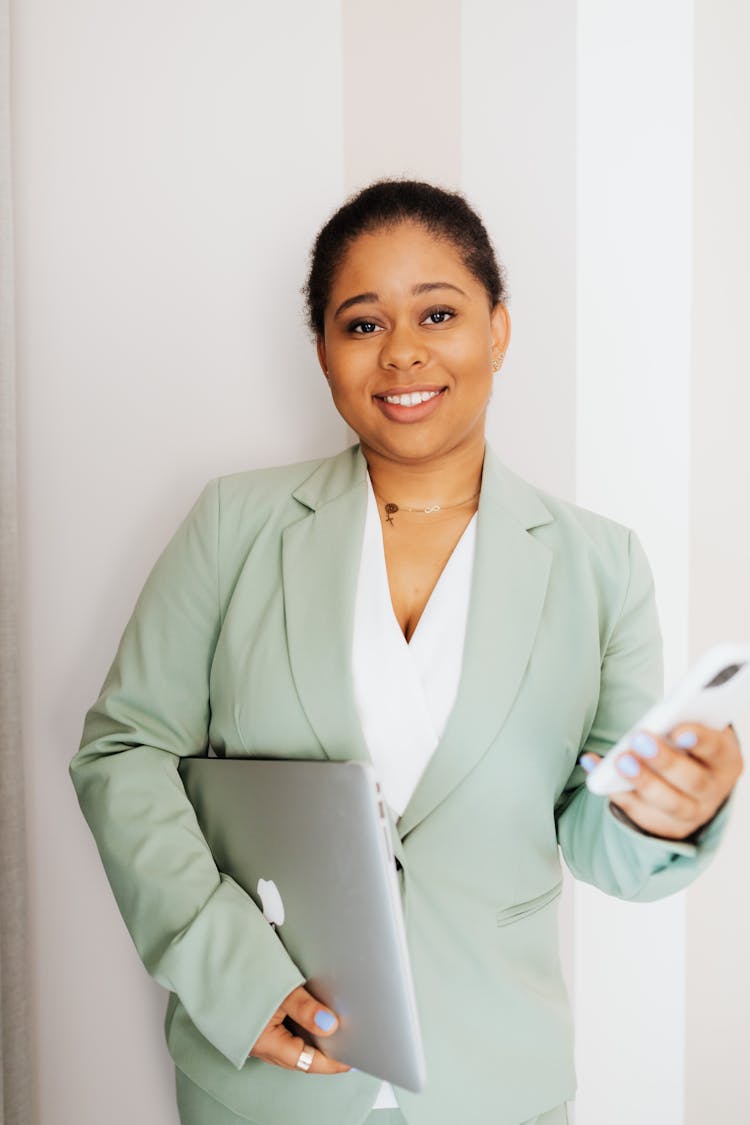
(241, 639)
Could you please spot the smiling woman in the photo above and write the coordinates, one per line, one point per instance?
(407, 356)
(415, 603)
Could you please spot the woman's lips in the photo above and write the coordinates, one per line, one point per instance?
(410, 405)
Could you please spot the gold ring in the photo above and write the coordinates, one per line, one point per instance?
(305, 1058)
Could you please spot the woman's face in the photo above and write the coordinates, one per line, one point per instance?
(409, 343)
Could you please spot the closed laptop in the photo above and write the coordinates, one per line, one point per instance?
(309, 841)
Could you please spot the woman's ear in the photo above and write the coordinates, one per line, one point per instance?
(321, 349)
(500, 327)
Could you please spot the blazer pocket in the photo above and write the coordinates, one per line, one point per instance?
(523, 909)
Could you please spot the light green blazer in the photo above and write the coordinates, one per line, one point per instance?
(241, 639)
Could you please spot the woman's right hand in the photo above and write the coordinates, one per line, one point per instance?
(277, 1045)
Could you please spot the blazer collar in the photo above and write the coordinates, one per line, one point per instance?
(320, 561)
(336, 476)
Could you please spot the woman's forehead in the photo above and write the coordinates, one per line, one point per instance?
(400, 257)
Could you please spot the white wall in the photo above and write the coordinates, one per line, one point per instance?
(634, 353)
(663, 989)
(172, 164)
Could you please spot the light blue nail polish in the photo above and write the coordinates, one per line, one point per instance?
(324, 1020)
(588, 763)
(644, 744)
(628, 765)
(686, 739)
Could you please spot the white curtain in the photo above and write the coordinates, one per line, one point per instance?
(15, 1068)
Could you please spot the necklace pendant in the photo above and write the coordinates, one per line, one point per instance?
(432, 508)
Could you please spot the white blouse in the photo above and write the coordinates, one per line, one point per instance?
(405, 691)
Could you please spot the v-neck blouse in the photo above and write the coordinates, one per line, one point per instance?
(405, 691)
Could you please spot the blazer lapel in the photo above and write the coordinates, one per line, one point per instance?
(320, 568)
(320, 565)
(511, 572)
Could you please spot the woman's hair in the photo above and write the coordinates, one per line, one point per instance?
(386, 203)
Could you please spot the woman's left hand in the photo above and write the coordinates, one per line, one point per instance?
(676, 791)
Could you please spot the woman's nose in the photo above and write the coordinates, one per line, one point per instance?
(403, 348)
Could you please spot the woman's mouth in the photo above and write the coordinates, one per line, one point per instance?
(410, 406)
(411, 399)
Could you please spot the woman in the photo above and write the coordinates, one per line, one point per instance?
(413, 601)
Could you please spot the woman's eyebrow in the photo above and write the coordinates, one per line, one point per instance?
(423, 287)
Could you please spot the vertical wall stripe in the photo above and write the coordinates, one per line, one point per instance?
(402, 90)
(518, 154)
(634, 348)
(718, 914)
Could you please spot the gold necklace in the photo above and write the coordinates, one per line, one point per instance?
(391, 509)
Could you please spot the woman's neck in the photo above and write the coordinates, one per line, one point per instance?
(447, 480)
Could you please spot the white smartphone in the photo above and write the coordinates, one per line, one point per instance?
(714, 692)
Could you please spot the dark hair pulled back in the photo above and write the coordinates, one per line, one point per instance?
(386, 203)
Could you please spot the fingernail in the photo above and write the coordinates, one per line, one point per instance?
(628, 765)
(686, 739)
(588, 762)
(324, 1020)
(644, 744)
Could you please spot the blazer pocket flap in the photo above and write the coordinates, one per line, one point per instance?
(521, 909)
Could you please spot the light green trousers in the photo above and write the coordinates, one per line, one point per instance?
(199, 1108)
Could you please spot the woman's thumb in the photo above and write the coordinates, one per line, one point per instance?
(309, 1013)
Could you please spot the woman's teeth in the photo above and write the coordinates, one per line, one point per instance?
(411, 399)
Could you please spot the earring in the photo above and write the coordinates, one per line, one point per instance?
(497, 361)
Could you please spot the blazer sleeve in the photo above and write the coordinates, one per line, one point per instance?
(598, 846)
(197, 932)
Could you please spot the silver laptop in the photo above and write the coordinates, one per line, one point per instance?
(309, 841)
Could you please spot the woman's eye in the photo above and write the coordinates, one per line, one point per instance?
(366, 325)
(443, 313)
